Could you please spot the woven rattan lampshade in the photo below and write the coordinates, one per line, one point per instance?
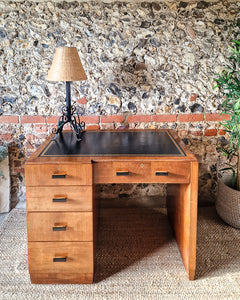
(66, 66)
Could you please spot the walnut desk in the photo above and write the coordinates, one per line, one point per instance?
(61, 211)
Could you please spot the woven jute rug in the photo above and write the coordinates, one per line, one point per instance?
(137, 258)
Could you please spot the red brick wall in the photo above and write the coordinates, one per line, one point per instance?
(41, 126)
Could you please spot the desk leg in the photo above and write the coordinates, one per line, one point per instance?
(95, 221)
(182, 213)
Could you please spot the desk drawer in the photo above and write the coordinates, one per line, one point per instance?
(170, 172)
(61, 198)
(122, 172)
(57, 175)
(60, 258)
(142, 172)
(60, 226)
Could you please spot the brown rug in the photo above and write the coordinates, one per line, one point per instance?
(137, 258)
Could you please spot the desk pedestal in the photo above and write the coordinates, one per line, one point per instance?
(182, 213)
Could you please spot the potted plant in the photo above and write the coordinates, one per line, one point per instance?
(228, 198)
(4, 180)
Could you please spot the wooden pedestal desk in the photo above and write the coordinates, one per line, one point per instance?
(61, 210)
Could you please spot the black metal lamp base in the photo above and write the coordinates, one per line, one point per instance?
(75, 123)
(69, 117)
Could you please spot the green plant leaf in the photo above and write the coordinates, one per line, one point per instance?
(228, 83)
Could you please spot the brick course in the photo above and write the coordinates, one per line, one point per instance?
(117, 118)
(139, 118)
(82, 101)
(44, 124)
(210, 132)
(7, 137)
(216, 117)
(33, 119)
(9, 119)
(196, 132)
(112, 119)
(90, 119)
(221, 132)
(164, 118)
(92, 127)
(52, 120)
(191, 118)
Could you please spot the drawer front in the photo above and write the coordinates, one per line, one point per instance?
(170, 172)
(60, 226)
(142, 172)
(61, 198)
(57, 175)
(122, 172)
(60, 257)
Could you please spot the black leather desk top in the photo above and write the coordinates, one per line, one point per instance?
(114, 143)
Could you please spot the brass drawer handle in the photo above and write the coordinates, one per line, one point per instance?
(58, 176)
(161, 173)
(59, 227)
(124, 173)
(63, 199)
(60, 259)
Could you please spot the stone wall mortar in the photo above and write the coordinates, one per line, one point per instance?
(149, 65)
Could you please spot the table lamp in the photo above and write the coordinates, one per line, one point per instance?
(66, 66)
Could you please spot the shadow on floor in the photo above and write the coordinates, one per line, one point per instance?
(126, 236)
